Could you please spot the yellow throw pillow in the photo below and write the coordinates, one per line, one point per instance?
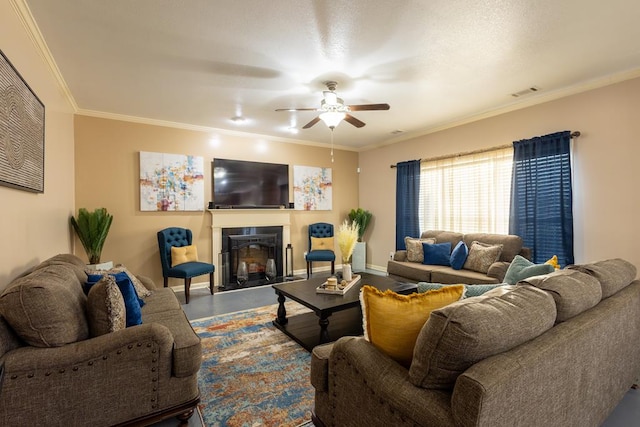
(392, 322)
(322, 243)
(554, 262)
(180, 255)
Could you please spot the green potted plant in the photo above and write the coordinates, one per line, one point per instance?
(361, 218)
(92, 229)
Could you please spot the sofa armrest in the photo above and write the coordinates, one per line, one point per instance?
(369, 386)
(320, 366)
(132, 367)
(147, 282)
(498, 270)
(400, 255)
(28, 358)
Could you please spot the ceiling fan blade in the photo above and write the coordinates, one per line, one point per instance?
(296, 109)
(311, 123)
(365, 107)
(357, 123)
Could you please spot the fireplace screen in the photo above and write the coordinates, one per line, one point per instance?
(246, 253)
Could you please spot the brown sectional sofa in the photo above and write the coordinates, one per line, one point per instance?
(553, 350)
(399, 267)
(136, 375)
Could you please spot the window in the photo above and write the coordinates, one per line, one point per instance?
(468, 193)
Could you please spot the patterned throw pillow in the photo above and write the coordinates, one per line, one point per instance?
(414, 248)
(105, 307)
(141, 290)
(481, 256)
(392, 322)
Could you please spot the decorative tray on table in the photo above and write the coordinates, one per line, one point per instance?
(342, 289)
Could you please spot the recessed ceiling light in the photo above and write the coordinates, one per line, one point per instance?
(292, 129)
(238, 119)
(396, 132)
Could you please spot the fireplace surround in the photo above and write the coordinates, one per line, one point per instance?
(246, 218)
(254, 246)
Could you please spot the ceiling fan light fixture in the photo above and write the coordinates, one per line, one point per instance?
(332, 118)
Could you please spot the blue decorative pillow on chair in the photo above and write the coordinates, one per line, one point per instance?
(436, 253)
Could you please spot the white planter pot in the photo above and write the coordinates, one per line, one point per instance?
(102, 266)
(359, 257)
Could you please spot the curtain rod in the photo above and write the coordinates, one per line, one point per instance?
(468, 153)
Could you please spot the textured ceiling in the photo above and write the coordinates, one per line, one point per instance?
(436, 62)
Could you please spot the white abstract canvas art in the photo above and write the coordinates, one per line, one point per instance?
(312, 188)
(171, 182)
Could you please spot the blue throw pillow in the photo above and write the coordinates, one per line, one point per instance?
(459, 255)
(521, 268)
(436, 253)
(92, 279)
(131, 301)
(469, 290)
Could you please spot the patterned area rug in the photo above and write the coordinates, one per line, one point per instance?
(252, 374)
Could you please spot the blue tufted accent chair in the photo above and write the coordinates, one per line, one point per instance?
(320, 229)
(175, 236)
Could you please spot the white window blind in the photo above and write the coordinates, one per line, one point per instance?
(468, 193)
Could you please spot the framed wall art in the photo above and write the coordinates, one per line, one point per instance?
(312, 188)
(171, 182)
(21, 132)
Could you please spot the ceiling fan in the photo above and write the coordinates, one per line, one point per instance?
(333, 109)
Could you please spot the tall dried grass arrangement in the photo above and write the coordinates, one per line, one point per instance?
(347, 238)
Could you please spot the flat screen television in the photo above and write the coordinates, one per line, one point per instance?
(243, 184)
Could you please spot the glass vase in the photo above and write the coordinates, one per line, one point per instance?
(270, 270)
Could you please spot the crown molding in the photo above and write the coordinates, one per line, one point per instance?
(26, 17)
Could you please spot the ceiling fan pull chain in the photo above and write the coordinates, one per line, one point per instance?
(331, 145)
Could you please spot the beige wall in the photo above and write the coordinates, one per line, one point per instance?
(606, 171)
(35, 226)
(107, 175)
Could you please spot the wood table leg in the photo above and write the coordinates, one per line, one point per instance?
(324, 329)
(282, 311)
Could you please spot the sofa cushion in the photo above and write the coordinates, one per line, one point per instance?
(414, 248)
(481, 256)
(106, 311)
(162, 299)
(68, 260)
(511, 244)
(613, 274)
(436, 253)
(572, 291)
(469, 290)
(187, 348)
(443, 236)
(465, 332)
(521, 268)
(391, 322)
(47, 307)
(459, 256)
(441, 274)
(410, 270)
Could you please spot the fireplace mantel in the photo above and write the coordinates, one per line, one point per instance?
(229, 218)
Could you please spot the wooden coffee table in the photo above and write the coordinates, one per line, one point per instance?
(312, 329)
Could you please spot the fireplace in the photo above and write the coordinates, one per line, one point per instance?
(244, 218)
(253, 246)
